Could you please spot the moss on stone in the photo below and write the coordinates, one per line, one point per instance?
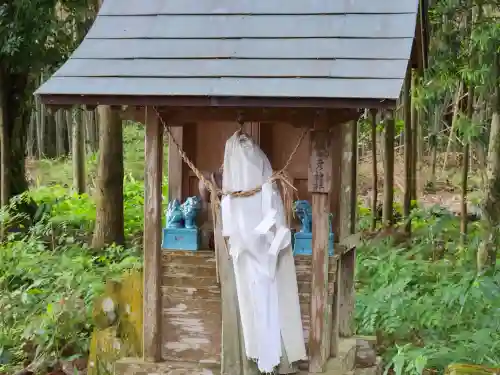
(118, 320)
(464, 369)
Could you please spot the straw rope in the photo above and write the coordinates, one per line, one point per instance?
(279, 176)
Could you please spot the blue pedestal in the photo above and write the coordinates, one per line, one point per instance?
(303, 244)
(181, 239)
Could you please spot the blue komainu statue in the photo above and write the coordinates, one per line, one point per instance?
(174, 214)
(190, 209)
(303, 210)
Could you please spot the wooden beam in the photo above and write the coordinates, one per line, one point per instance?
(319, 184)
(297, 117)
(152, 237)
(175, 164)
(203, 101)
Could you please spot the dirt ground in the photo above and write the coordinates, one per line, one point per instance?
(447, 192)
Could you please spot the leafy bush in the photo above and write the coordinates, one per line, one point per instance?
(48, 274)
(49, 277)
(426, 301)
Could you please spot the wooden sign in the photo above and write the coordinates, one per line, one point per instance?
(320, 162)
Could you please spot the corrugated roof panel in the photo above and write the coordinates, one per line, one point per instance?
(318, 48)
(179, 68)
(243, 87)
(154, 7)
(249, 48)
(255, 26)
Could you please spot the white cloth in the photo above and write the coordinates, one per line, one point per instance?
(259, 244)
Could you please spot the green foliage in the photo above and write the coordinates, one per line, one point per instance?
(48, 274)
(34, 34)
(426, 300)
(49, 277)
(79, 211)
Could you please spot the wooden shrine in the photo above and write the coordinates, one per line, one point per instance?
(195, 72)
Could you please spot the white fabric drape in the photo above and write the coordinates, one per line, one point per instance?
(259, 244)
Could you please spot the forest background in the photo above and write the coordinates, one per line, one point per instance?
(429, 208)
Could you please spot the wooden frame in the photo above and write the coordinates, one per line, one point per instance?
(331, 318)
(153, 174)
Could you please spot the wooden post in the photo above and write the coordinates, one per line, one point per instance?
(348, 205)
(348, 195)
(353, 198)
(175, 164)
(320, 185)
(152, 237)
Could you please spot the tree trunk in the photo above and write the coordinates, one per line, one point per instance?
(433, 143)
(373, 119)
(59, 118)
(415, 139)
(4, 146)
(92, 134)
(465, 168)
(486, 255)
(78, 143)
(40, 127)
(388, 212)
(69, 125)
(456, 109)
(51, 135)
(31, 142)
(109, 226)
(466, 141)
(15, 119)
(408, 148)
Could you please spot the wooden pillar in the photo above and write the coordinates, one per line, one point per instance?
(353, 199)
(175, 167)
(153, 174)
(348, 206)
(320, 185)
(347, 176)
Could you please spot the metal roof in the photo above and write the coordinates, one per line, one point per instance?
(350, 49)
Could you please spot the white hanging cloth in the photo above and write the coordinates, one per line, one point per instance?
(260, 246)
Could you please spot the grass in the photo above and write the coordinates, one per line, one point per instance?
(48, 172)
